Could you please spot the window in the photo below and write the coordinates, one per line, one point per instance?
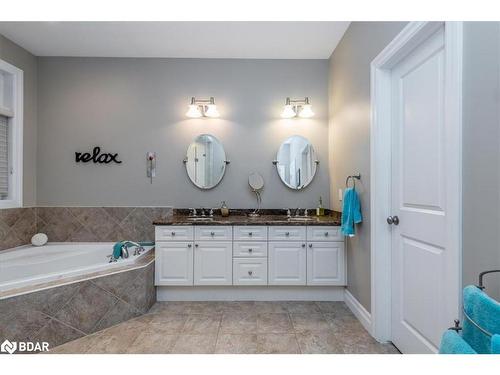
(11, 135)
(4, 158)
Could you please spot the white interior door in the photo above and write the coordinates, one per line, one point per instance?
(421, 283)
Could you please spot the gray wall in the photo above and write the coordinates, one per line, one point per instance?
(132, 106)
(24, 60)
(481, 167)
(349, 135)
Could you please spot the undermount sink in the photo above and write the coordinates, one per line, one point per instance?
(301, 218)
(200, 218)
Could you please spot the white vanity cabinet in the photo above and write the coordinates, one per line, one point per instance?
(250, 255)
(325, 263)
(174, 263)
(213, 263)
(287, 263)
(245, 255)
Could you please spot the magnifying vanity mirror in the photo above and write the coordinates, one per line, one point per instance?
(205, 161)
(296, 162)
(256, 182)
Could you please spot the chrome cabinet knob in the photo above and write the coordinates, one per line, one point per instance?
(393, 220)
(250, 273)
(212, 233)
(303, 245)
(250, 233)
(189, 245)
(250, 250)
(287, 233)
(195, 245)
(173, 233)
(326, 234)
(310, 245)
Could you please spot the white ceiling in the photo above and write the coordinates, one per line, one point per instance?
(254, 40)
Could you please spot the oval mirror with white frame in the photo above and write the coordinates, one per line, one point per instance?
(205, 161)
(296, 162)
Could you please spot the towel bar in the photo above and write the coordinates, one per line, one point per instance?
(481, 276)
(353, 177)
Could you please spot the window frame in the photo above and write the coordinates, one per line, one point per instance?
(11, 106)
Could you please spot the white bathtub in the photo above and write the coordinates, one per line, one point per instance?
(30, 265)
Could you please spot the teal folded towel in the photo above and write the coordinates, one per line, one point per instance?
(485, 311)
(453, 343)
(351, 212)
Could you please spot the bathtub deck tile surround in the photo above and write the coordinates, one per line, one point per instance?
(222, 327)
(66, 312)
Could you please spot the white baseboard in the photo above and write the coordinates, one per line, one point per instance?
(358, 310)
(248, 293)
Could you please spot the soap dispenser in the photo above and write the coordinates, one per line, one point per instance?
(224, 211)
(320, 211)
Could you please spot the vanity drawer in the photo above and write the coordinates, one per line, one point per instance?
(324, 233)
(217, 233)
(287, 233)
(250, 271)
(248, 232)
(174, 233)
(250, 249)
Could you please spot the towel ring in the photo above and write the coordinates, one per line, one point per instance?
(353, 178)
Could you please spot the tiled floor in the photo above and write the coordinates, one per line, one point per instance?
(235, 327)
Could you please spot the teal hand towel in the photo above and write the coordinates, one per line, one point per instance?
(485, 311)
(453, 343)
(351, 212)
(495, 344)
(117, 249)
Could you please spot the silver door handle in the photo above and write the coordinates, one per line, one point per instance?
(393, 220)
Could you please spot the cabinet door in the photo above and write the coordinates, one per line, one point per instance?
(287, 263)
(325, 263)
(213, 263)
(174, 263)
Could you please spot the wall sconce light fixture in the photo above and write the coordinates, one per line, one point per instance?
(294, 108)
(202, 108)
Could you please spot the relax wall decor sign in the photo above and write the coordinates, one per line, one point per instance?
(97, 157)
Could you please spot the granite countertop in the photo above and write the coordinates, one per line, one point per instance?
(240, 217)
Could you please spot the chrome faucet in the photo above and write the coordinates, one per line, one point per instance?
(137, 251)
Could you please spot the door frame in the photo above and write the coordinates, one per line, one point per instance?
(380, 165)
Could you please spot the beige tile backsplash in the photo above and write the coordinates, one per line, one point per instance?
(79, 224)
